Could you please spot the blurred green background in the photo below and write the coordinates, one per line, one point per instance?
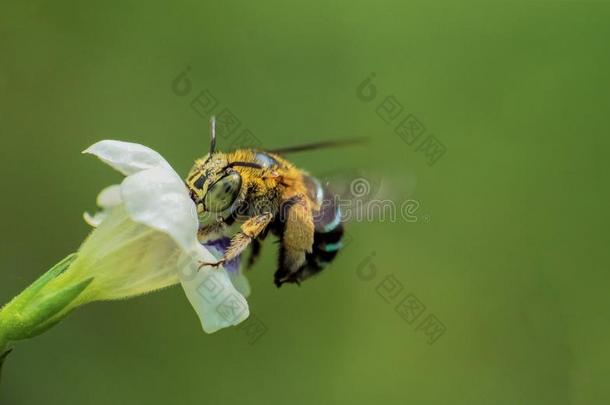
(511, 254)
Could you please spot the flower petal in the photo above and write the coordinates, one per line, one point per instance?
(96, 219)
(107, 199)
(211, 293)
(110, 197)
(125, 259)
(158, 198)
(240, 282)
(153, 214)
(126, 157)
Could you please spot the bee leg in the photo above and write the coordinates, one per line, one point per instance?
(297, 240)
(249, 231)
(255, 250)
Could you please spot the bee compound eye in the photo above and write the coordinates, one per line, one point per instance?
(223, 193)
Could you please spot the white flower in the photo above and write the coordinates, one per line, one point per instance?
(146, 239)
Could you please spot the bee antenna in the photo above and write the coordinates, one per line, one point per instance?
(212, 134)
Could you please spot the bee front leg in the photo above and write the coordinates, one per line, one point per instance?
(249, 231)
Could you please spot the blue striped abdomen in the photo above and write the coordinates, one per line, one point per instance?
(328, 228)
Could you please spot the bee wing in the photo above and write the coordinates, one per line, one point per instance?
(356, 193)
(343, 193)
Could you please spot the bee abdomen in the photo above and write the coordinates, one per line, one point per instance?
(328, 229)
(325, 247)
(328, 232)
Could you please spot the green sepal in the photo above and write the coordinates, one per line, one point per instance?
(35, 310)
(27, 295)
(37, 318)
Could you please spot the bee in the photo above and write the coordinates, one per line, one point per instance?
(265, 193)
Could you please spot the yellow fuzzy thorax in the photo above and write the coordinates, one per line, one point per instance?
(278, 180)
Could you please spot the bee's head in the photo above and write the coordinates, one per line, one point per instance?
(213, 183)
